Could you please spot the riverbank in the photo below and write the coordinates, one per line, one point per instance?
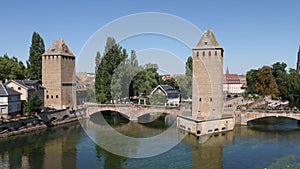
(38, 127)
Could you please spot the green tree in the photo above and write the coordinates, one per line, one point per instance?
(185, 82)
(34, 63)
(145, 80)
(11, 68)
(189, 67)
(97, 61)
(158, 99)
(251, 78)
(33, 104)
(265, 83)
(113, 55)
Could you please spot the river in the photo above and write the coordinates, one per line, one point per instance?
(275, 145)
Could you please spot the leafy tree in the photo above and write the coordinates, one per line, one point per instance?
(33, 104)
(146, 80)
(171, 82)
(34, 63)
(11, 68)
(97, 61)
(189, 67)
(185, 82)
(112, 57)
(251, 78)
(158, 99)
(265, 83)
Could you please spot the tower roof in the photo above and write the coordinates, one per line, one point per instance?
(207, 40)
(59, 47)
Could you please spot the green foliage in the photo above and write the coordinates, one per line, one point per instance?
(288, 83)
(145, 80)
(33, 104)
(265, 83)
(158, 99)
(171, 82)
(189, 67)
(113, 56)
(11, 68)
(34, 63)
(251, 79)
(185, 82)
(286, 162)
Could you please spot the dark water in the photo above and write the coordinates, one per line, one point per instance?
(69, 146)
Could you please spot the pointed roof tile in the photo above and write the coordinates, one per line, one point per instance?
(59, 47)
(207, 40)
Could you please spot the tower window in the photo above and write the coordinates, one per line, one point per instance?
(203, 53)
(200, 100)
(216, 53)
(57, 96)
(209, 53)
(51, 96)
(19, 88)
(210, 99)
(205, 43)
(197, 54)
(47, 97)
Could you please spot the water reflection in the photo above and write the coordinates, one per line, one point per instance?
(69, 147)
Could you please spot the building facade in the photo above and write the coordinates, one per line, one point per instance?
(232, 84)
(171, 93)
(27, 88)
(58, 76)
(10, 101)
(207, 78)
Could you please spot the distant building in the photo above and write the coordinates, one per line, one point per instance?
(10, 101)
(243, 80)
(166, 77)
(27, 88)
(172, 94)
(232, 83)
(58, 76)
(298, 61)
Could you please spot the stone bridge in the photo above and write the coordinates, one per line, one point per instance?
(132, 112)
(243, 117)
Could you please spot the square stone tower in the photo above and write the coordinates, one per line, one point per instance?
(58, 76)
(207, 78)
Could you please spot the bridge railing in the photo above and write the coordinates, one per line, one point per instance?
(273, 111)
(129, 105)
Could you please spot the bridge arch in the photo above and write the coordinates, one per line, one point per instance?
(131, 111)
(270, 117)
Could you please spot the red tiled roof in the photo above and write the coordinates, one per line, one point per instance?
(232, 79)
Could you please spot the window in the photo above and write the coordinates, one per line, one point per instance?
(209, 53)
(216, 53)
(57, 96)
(47, 97)
(197, 54)
(51, 96)
(210, 99)
(200, 100)
(205, 43)
(203, 54)
(19, 88)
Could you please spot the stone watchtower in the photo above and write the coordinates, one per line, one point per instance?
(207, 78)
(58, 72)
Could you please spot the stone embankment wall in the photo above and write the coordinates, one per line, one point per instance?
(42, 120)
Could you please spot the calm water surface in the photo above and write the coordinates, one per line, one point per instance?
(68, 146)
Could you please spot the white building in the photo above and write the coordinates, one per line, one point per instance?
(10, 101)
(232, 84)
(172, 94)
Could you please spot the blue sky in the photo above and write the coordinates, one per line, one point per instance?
(253, 33)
